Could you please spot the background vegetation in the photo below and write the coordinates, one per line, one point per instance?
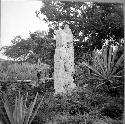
(98, 30)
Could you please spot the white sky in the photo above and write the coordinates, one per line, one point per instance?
(18, 18)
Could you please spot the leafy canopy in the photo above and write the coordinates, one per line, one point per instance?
(92, 21)
(37, 45)
(91, 24)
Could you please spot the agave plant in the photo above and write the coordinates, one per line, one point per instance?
(105, 66)
(21, 114)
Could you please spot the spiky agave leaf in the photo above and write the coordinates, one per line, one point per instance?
(24, 111)
(8, 111)
(104, 66)
(21, 110)
(93, 69)
(118, 64)
(30, 110)
(109, 60)
(15, 110)
(34, 114)
(19, 115)
(99, 61)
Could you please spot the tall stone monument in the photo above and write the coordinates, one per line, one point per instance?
(64, 61)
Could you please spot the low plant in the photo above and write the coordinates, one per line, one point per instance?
(21, 113)
(106, 67)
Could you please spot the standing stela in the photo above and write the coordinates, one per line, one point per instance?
(64, 61)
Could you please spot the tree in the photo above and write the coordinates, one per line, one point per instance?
(91, 24)
(37, 45)
(92, 21)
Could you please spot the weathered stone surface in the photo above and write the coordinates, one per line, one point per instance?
(64, 60)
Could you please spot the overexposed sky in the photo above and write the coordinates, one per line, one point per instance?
(18, 18)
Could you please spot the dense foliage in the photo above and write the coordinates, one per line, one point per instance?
(94, 21)
(91, 24)
(99, 68)
(22, 71)
(36, 46)
(107, 68)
